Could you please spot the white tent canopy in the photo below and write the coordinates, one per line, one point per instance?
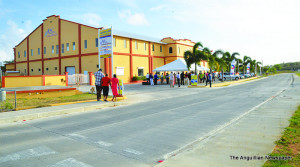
(179, 65)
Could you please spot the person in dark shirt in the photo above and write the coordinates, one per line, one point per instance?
(105, 85)
(155, 79)
(182, 78)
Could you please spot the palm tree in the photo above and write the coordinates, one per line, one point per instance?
(246, 60)
(194, 56)
(238, 64)
(221, 62)
(229, 57)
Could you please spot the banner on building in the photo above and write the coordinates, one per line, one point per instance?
(248, 68)
(232, 67)
(194, 80)
(105, 43)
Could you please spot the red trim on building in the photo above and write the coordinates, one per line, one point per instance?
(175, 56)
(44, 90)
(130, 62)
(28, 35)
(91, 78)
(81, 24)
(177, 39)
(182, 44)
(119, 53)
(33, 76)
(79, 46)
(67, 78)
(28, 55)
(42, 47)
(59, 44)
(149, 59)
(159, 57)
(3, 81)
(44, 80)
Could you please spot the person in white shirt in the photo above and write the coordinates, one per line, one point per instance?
(171, 80)
(148, 79)
(162, 78)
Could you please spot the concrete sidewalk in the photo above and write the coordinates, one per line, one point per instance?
(244, 142)
(29, 114)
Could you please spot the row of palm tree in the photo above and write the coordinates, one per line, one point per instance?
(218, 60)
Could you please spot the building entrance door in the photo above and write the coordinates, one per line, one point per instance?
(70, 70)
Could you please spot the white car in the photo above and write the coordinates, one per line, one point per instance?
(229, 77)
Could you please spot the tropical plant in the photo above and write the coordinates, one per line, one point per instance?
(229, 57)
(246, 60)
(194, 56)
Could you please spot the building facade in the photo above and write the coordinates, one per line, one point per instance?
(57, 46)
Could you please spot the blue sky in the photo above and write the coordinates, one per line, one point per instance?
(265, 30)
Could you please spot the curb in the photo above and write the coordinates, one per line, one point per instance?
(226, 83)
(59, 112)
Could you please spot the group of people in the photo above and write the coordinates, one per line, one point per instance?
(179, 78)
(102, 82)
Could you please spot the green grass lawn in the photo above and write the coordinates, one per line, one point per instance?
(288, 144)
(298, 73)
(43, 102)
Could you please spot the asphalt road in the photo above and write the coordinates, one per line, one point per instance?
(165, 120)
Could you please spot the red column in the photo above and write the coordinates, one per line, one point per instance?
(42, 47)
(130, 57)
(91, 78)
(79, 46)
(3, 81)
(28, 55)
(59, 45)
(44, 80)
(66, 73)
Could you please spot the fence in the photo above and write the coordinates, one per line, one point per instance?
(8, 104)
(78, 79)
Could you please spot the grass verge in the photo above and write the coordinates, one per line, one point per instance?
(298, 73)
(288, 144)
(45, 102)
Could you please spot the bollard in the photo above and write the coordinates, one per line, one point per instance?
(2, 95)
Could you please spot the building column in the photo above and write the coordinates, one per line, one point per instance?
(130, 57)
(42, 47)
(27, 54)
(59, 45)
(79, 47)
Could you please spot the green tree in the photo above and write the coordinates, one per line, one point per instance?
(194, 56)
(246, 60)
(229, 57)
(278, 67)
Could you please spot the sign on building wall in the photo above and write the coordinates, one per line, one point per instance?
(105, 41)
(50, 33)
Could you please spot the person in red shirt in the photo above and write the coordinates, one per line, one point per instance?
(105, 84)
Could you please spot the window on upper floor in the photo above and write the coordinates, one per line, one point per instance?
(125, 43)
(67, 47)
(74, 46)
(24, 53)
(57, 49)
(31, 70)
(45, 50)
(96, 42)
(52, 48)
(25, 71)
(136, 45)
(62, 48)
(39, 51)
(114, 42)
(170, 50)
(152, 47)
(178, 49)
(31, 50)
(145, 46)
(160, 48)
(18, 54)
(85, 44)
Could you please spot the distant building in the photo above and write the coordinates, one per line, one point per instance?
(57, 46)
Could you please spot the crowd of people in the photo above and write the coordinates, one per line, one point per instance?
(102, 83)
(180, 78)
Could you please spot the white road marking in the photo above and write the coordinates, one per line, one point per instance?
(70, 162)
(25, 154)
(132, 151)
(106, 144)
(77, 136)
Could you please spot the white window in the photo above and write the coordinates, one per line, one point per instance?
(68, 47)
(85, 44)
(145, 46)
(119, 71)
(125, 44)
(136, 45)
(140, 71)
(73, 45)
(114, 42)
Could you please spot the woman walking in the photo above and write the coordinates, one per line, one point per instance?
(114, 87)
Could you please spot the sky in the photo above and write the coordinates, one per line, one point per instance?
(265, 30)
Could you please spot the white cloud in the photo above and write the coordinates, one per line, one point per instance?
(137, 19)
(267, 30)
(11, 37)
(91, 19)
(157, 8)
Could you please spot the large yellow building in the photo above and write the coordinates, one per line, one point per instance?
(57, 46)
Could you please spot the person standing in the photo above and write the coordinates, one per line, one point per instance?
(208, 79)
(178, 79)
(171, 80)
(148, 79)
(98, 77)
(182, 78)
(155, 79)
(151, 79)
(174, 79)
(105, 84)
(162, 78)
(167, 78)
(213, 76)
(114, 87)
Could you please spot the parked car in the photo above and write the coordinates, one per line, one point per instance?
(229, 77)
(245, 75)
